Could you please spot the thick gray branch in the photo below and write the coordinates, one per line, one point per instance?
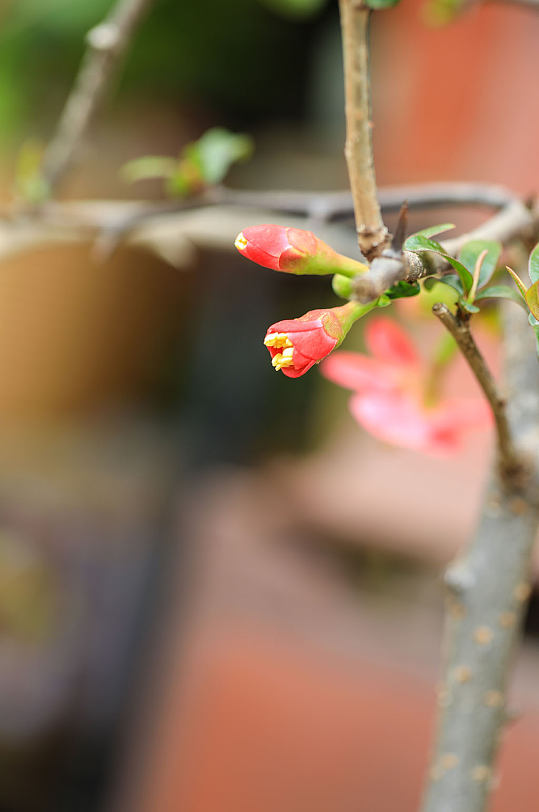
(107, 44)
(488, 588)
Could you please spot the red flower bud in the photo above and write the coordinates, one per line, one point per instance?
(294, 251)
(295, 345)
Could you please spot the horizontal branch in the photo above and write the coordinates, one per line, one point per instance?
(171, 230)
(338, 205)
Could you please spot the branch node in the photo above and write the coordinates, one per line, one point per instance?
(104, 37)
(459, 579)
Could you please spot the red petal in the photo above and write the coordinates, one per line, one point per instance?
(265, 244)
(388, 342)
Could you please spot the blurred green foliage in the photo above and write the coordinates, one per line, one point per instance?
(238, 56)
(201, 163)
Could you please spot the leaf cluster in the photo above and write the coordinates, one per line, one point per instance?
(200, 165)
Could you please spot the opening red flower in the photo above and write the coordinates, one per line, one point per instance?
(393, 399)
(295, 345)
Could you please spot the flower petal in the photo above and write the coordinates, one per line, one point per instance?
(388, 342)
(401, 421)
(360, 373)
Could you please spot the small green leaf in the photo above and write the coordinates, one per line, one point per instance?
(148, 167)
(403, 289)
(533, 266)
(453, 281)
(464, 274)
(518, 282)
(472, 250)
(412, 240)
(30, 184)
(501, 292)
(216, 151)
(418, 242)
(430, 282)
(536, 330)
(532, 299)
(468, 306)
(431, 231)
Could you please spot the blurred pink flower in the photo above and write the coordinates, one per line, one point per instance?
(392, 394)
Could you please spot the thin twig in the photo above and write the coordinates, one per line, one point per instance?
(107, 43)
(372, 234)
(459, 328)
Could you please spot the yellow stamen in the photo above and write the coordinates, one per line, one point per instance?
(277, 340)
(283, 359)
(241, 242)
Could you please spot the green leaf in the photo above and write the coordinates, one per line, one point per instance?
(518, 282)
(468, 306)
(431, 231)
(416, 242)
(501, 292)
(453, 281)
(532, 299)
(430, 282)
(147, 167)
(536, 330)
(215, 152)
(383, 301)
(533, 265)
(30, 184)
(403, 289)
(472, 250)
(464, 275)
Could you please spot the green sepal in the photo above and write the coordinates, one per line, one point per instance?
(342, 286)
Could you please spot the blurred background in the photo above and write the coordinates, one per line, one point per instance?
(216, 591)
